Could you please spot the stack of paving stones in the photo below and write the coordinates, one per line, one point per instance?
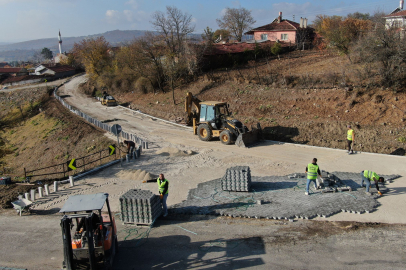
(283, 198)
(140, 207)
(237, 179)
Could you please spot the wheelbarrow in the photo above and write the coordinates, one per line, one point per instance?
(22, 205)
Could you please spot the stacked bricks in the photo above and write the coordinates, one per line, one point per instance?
(237, 179)
(140, 207)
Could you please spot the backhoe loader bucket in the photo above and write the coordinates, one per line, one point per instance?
(250, 138)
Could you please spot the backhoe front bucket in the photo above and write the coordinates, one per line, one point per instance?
(250, 138)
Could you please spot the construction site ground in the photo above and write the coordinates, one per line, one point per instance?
(373, 240)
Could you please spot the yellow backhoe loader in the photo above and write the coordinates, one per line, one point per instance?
(212, 119)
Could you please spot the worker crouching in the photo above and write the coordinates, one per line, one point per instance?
(368, 177)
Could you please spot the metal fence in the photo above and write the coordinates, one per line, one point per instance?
(123, 134)
(82, 164)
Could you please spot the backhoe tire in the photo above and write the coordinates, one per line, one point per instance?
(204, 132)
(225, 137)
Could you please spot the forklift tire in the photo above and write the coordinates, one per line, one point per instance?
(204, 132)
(225, 137)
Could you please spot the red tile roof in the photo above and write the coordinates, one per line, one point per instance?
(397, 14)
(11, 70)
(284, 25)
(21, 78)
(59, 68)
(237, 47)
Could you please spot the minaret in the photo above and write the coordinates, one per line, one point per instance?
(60, 42)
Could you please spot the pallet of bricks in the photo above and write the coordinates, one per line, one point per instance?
(237, 179)
(140, 207)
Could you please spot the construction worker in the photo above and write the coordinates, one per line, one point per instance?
(350, 139)
(130, 146)
(163, 186)
(312, 170)
(368, 177)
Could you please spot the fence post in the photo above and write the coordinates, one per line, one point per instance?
(46, 187)
(40, 194)
(71, 181)
(32, 195)
(25, 173)
(55, 186)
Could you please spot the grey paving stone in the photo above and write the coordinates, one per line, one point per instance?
(283, 198)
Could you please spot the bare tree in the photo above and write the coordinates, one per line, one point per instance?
(385, 48)
(237, 21)
(174, 26)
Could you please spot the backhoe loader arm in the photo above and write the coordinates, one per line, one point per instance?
(189, 101)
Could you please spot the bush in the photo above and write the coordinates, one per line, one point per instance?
(143, 85)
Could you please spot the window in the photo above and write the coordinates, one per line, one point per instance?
(264, 36)
(284, 36)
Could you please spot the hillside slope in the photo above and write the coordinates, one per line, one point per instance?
(306, 103)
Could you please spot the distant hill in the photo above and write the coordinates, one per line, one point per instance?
(22, 51)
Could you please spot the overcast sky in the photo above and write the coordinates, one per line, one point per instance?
(23, 20)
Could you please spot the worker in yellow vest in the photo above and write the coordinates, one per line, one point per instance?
(368, 177)
(312, 171)
(163, 186)
(350, 139)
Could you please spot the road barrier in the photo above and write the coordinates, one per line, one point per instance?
(124, 135)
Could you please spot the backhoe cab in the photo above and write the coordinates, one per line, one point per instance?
(212, 119)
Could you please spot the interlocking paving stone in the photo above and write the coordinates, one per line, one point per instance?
(140, 206)
(283, 197)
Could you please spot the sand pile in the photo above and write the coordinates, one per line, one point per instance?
(136, 175)
(174, 152)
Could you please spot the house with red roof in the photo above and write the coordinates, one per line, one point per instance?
(281, 30)
(55, 70)
(396, 18)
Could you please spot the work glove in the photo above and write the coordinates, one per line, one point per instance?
(380, 194)
(161, 196)
(144, 181)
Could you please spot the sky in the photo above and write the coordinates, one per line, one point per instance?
(23, 20)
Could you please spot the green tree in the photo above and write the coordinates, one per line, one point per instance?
(46, 53)
(236, 21)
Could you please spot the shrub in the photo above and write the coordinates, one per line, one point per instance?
(143, 85)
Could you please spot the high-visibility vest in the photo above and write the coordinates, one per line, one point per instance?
(370, 175)
(161, 186)
(312, 171)
(350, 132)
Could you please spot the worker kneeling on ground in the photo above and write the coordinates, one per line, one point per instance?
(312, 170)
(368, 177)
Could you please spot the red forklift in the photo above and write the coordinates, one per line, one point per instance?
(89, 236)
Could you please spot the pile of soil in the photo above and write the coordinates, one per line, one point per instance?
(139, 175)
(173, 152)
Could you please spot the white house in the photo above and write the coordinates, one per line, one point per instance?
(396, 18)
